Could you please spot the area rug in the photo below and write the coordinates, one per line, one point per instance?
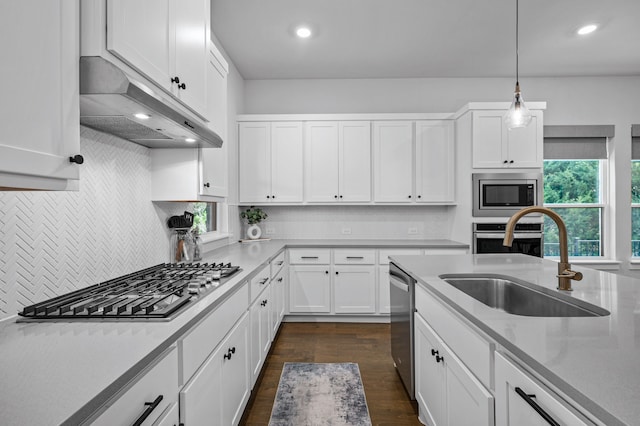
(320, 394)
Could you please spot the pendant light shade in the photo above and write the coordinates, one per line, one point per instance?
(518, 114)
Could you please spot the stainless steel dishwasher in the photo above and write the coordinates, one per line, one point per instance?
(402, 288)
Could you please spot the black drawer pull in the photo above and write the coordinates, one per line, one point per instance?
(355, 257)
(280, 263)
(150, 407)
(434, 352)
(264, 280)
(308, 257)
(439, 358)
(280, 279)
(529, 400)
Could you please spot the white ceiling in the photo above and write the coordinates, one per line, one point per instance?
(427, 38)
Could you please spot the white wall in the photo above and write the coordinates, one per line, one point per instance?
(574, 100)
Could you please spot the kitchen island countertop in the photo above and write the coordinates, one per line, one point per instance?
(60, 372)
(593, 360)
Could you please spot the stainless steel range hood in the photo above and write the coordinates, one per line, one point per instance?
(110, 99)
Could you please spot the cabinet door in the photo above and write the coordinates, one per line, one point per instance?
(355, 161)
(488, 134)
(217, 77)
(258, 319)
(255, 162)
(277, 303)
(39, 104)
(138, 33)
(286, 162)
(393, 161)
(309, 289)
(235, 375)
(525, 144)
(321, 162)
(213, 164)
(354, 289)
(429, 375)
(435, 162)
(190, 51)
(512, 408)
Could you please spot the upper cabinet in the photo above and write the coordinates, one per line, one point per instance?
(494, 146)
(434, 161)
(40, 130)
(270, 162)
(393, 161)
(337, 165)
(166, 40)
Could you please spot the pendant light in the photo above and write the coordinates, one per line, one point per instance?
(518, 114)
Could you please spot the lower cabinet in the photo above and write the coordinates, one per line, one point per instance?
(219, 390)
(524, 401)
(154, 391)
(309, 289)
(354, 289)
(446, 391)
(260, 314)
(278, 285)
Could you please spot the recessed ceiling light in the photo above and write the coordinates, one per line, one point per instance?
(142, 116)
(190, 140)
(587, 29)
(303, 32)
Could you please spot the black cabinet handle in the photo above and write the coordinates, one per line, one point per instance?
(326, 272)
(419, 196)
(280, 279)
(308, 257)
(207, 185)
(335, 196)
(505, 161)
(182, 86)
(409, 196)
(273, 196)
(150, 407)
(233, 350)
(439, 358)
(529, 400)
(78, 159)
(341, 196)
(337, 272)
(175, 79)
(264, 280)
(355, 257)
(268, 196)
(434, 352)
(263, 303)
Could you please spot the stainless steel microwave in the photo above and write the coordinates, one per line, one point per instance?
(503, 194)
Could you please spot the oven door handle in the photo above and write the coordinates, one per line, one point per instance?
(517, 236)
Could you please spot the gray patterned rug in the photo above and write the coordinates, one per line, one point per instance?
(317, 394)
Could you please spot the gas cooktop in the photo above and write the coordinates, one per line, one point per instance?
(156, 293)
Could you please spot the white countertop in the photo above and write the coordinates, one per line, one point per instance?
(594, 360)
(61, 372)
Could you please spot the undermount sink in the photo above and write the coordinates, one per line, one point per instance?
(518, 297)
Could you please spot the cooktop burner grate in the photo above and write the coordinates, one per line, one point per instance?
(157, 292)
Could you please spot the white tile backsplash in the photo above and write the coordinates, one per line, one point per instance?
(378, 222)
(55, 242)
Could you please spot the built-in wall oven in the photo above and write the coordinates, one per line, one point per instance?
(503, 194)
(527, 238)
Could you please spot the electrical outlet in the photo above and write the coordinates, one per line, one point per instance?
(346, 231)
(270, 230)
(412, 231)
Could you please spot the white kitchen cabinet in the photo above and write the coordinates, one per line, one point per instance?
(165, 40)
(446, 391)
(514, 388)
(158, 384)
(278, 286)
(260, 317)
(39, 108)
(337, 164)
(435, 162)
(188, 174)
(393, 161)
(494, 146)
(354, 289)
(217, 88)
(219, 391)
(270, 162)
(309, 289)
(384, 300)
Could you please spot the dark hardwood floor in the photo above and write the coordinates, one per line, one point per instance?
(366, 344)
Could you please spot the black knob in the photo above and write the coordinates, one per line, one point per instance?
(434, 352)
(505, 161)
(419, 196)
(273, 196)
(511, 161)
(326, 272)
(439, 358)
(409, 196)
(268, 196)
(182, 86)
(337, 272)
(227, 356)
(233, 350)
(175, 79)
(263, 303)
(335, 196)
(207, 185)
(280, 279)
(341, 196)
(78, 159)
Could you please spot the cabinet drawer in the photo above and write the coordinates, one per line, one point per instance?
(160, 380)
(259, 282)
(309, 256)
(276, 264)
(205, 336)
(354, 257)
(474, 351)
(383, 255)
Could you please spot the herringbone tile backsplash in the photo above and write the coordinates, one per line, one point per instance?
(55, 242)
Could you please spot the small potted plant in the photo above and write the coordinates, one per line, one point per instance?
(253, 216)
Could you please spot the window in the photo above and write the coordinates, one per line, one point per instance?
(205, 218)
(635, 190)
(575, 190)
